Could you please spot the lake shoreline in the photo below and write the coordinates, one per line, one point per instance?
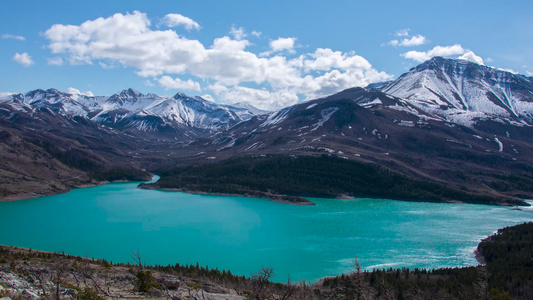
(34, 195)
(272, 197)
(278, 198)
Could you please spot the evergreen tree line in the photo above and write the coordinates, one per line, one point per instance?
(307, 176)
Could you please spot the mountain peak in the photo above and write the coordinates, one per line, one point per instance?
(464, 92)
(129, 93)
(439, 63)
(181, 95)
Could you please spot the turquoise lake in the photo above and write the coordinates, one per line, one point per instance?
(244, 234)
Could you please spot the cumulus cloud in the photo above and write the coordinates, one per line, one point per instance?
(74, 91)
(177, 84)
(6, 94)
(106, 66)
(175, 20)
(283, 44)
(15, 37)
(507, 70)
(416, 40)
(127, 40)
(256, 33)
(208, 97)
(225, 66)
(421, 56)
(237, 33)
(471, 56)
(23, 59)
(55, 61)
(262, 98)
(325, 59)
(402, 32)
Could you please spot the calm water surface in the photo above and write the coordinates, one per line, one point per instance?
(244, 234)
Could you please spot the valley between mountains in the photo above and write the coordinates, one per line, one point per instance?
(448, 130)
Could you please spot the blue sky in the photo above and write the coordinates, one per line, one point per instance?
(268, 53)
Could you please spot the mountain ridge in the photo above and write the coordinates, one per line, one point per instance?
(127, 107)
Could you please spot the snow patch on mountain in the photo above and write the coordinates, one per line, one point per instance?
(326, 115)
(500, 144)
(276, 117)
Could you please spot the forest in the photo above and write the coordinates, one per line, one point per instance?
(308, 176)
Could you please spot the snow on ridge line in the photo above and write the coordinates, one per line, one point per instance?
(500, 144)
(276, 117)
(326, 115)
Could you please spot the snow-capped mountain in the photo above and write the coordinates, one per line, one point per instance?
(130, 109)
(464, 92)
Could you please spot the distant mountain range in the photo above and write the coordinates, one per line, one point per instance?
(130, 109)
(447, 121)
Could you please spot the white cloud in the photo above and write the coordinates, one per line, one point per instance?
(421, 56)
(174, 20)
(15, 37)
(471, 56)
(489, 60)
(261, 98)
(55, 61)
(326, 59)
(237, 33)
(226, 65)
(507, 70)
(169, 83)
(402, 32)
(23, 59)
(149, 83)
(256, 33)
(106, 66)
(283, 44)
(6, 94)
(208, 97)
(416, 40)
(74, 91)
(127, 40)
(529, 74)
(407, 41)
(393, 43)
